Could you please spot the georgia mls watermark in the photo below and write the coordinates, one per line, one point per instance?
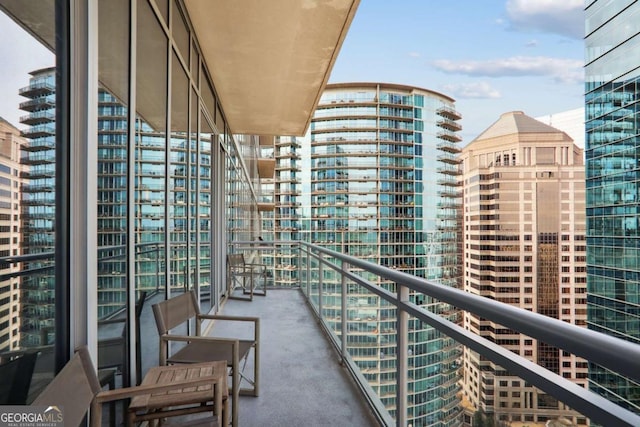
(31, 416)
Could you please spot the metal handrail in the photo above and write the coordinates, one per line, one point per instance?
(49, 256)
(616, 354)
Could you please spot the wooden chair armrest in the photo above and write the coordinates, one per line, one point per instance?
(129, 392)
(255, 320)
(223, 317)
(185, 338)
(254, 264)
(166, 338)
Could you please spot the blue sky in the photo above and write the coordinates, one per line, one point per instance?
(492, 56)
(21, 54)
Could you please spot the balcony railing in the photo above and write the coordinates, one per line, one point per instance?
(338, 287)
(328, 279)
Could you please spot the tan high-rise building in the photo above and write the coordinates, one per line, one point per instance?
(524, 244)
(10, 234)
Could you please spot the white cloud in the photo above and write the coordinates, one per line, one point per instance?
(559, 69)
(565, 17)
(481, 90)
(414, 54)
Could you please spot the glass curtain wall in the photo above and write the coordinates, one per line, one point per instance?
(27, 194)
(160, 131)
(382, 188)
(612, 126)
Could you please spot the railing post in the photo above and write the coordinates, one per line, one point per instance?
(320, 273)
(308, 274)
(402, 357)
(157, 268)
(343, 313)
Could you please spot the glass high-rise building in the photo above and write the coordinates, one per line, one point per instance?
(189, 168)
(10, 234)
(613, 183)
(383, 187)
(283, 223)
(38, 199)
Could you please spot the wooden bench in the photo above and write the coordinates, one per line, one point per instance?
(180, 310)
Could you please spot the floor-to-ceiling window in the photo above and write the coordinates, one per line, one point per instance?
(28, 294)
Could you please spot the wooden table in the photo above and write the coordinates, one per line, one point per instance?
(183, 401)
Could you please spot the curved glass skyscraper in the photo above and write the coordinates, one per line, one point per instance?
(384, 187)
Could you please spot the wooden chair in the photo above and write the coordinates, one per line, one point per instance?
(246, 276)
(179, 310)
(76, 389)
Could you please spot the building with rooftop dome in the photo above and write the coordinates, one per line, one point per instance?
(524, 244)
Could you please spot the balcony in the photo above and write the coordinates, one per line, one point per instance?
(266, 167)
(449, 147)
(38, 117)
(315, 334)
(449, 124)
(301, 376)
(39, 131)
(38, 104)
(266, 206)
(449, 159)
(449, 113)
(449, 171)
(39, 88)
(449, 136)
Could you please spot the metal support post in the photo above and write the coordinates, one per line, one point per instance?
(402, 364)
(320, 280)
(343, 311)
(309, 273)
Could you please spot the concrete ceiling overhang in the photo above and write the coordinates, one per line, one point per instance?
(270, 60)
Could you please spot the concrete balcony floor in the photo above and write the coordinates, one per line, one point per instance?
(301, 380)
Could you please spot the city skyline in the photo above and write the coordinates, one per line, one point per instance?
(524, 52)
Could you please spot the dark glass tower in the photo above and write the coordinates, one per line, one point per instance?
(612, 150)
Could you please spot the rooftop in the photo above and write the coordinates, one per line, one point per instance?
(515, 122)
